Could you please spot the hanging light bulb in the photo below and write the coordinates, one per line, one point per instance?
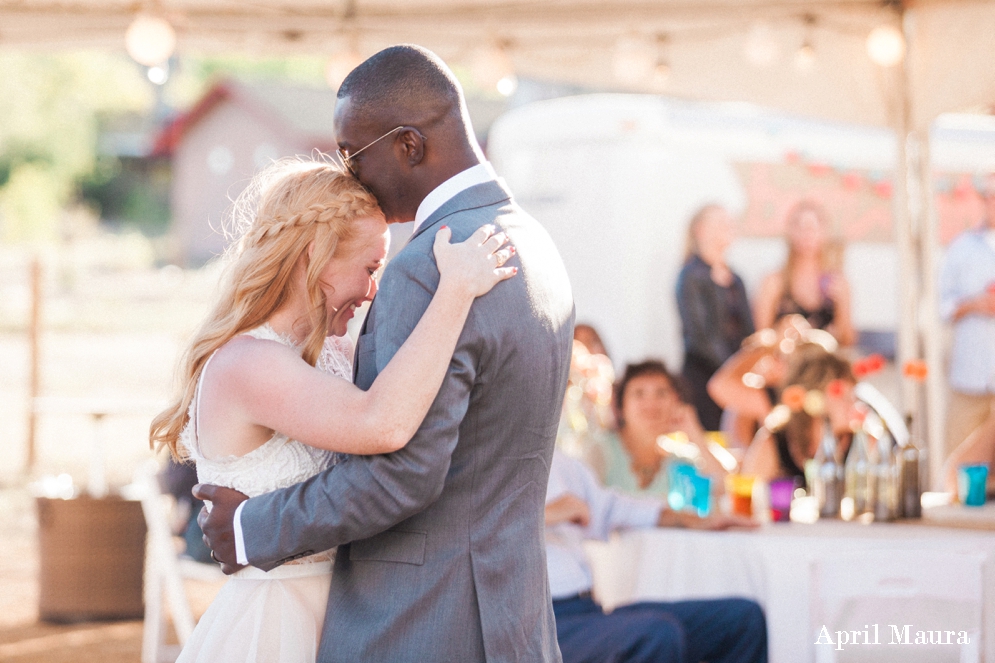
(339, 66)
(493, 69)
(634, 59)
(150, 40)
(507, 85)
(158, 74)
(661, 70)
(805, 57)
(886, 45)
(661, 74)
(761, 47)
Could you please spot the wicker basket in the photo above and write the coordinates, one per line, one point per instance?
(92, 559)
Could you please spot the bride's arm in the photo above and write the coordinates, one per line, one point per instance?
(330, 413)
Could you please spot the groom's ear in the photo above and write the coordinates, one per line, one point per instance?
(412, 147)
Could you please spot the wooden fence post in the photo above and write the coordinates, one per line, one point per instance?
(34, 372)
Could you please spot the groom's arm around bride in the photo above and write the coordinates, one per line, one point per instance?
(442, 555)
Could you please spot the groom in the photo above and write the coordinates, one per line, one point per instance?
(441, 554)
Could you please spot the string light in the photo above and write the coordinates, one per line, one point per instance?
(339, 66)
(661, 70)
(507, 85)
(805, 55)
(158, 74)
(761, 47)
(634, 59)
(886, 45)
(493, 69)
(150, 40)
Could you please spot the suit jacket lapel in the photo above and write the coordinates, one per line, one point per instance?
(480, 195)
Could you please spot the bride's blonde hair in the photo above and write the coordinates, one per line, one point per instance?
(290, 206)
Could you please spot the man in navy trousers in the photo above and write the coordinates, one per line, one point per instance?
(717, 631)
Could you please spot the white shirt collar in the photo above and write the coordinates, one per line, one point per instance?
(440, 195)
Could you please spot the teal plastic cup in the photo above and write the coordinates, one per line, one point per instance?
(971, 483)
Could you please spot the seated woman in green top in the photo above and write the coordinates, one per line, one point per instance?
(647, 406)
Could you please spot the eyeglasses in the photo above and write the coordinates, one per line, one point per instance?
(347, 158)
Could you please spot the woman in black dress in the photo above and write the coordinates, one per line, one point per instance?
(711, 300)
(811, 283)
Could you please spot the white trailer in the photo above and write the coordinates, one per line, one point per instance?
(615, 179)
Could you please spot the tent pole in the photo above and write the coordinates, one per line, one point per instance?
(932, 333)
(908, 345)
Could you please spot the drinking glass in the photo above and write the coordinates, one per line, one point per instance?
(781, 493)
(702, 494)
(740, 489)
(971, 484)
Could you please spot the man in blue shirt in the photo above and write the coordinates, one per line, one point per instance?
(577, 508)
(967, 301)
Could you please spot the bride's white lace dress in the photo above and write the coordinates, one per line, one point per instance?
(258, 616)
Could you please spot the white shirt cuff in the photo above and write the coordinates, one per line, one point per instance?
(240, 555)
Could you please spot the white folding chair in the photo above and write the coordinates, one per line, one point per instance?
(164, 574)
(927, 590)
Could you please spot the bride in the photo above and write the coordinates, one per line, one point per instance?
(266, 398)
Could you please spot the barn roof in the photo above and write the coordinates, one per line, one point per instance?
(303, 114)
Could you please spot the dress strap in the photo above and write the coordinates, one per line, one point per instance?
(196, 408)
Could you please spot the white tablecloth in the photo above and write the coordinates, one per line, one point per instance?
(776, 567)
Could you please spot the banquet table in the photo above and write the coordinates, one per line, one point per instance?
(778, 565)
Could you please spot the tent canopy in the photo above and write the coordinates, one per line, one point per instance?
(718, 50)
(951, 64)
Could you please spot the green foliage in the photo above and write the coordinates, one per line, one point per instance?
(48, 130)
(51, 111)
(129, 192)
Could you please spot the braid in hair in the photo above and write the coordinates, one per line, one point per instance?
(296, 207)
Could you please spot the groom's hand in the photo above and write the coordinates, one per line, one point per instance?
(218, 524)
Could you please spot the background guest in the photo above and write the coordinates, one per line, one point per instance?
(791, 435)
(729, 630)
(967, 300)
(648, 405)
(711, 300)
(747, 386)
(591, 339)
(811, 283)
(587, 411)
(978, 448)
(178, 479)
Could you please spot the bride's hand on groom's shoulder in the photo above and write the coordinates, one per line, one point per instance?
(218, 524)
(477, 264)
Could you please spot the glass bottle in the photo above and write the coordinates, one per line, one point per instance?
(885, 476)
(828, 474)
(907, 461)
(857, 475)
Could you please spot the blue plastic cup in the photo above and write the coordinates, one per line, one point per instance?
(971, 483)
(680, 489)
(702, 494)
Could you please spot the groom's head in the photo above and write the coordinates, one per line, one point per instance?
(403, 128)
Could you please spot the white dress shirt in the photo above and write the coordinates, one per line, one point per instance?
(566, 563)
(439, 196)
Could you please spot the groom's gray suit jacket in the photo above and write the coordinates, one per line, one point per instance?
(442, 553)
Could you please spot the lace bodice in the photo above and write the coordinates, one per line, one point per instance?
(280, 461)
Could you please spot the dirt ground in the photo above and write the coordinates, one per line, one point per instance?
(112, 332)
(23, 637)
